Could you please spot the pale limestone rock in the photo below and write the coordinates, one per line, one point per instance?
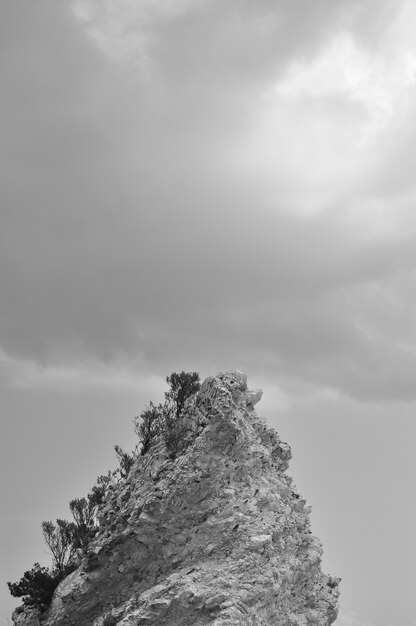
(253, 397)
(26, 617)
(217, 537)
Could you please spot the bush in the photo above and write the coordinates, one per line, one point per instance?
(178, 427)
(169, 420)
(149, 425)
(182, 387)
(83, 511)
(62, 540)
(126, 461)
(99, 490)
(36, 586)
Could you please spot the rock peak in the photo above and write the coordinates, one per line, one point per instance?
(219, 536)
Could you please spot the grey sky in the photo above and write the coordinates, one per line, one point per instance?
(209, 185)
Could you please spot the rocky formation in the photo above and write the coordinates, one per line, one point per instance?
(217, 537)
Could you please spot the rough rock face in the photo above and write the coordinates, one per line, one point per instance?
(216, 537)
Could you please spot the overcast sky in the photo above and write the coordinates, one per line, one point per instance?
(209, 185)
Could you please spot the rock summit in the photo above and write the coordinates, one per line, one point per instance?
(218, 536)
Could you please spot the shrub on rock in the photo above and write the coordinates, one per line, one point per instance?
(169, 420)
(36, 586)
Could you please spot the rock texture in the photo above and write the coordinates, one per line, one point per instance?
(217, 537)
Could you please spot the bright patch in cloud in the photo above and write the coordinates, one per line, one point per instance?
(120, 29)
(381, 78)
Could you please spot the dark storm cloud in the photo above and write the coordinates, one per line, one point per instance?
(136, 221)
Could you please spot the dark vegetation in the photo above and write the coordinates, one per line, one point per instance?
(37, 586)
(171, 423)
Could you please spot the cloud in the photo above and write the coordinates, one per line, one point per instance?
(27, 374)
(250, 38)
(172, 203)
(378, 77)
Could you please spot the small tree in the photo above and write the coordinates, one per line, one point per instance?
(166, 419)
(126, 461)
(62, 542)
(149, 425)
(83, 511)
(36, 587)
(177, 427)
(182, 387)
(97, 494)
